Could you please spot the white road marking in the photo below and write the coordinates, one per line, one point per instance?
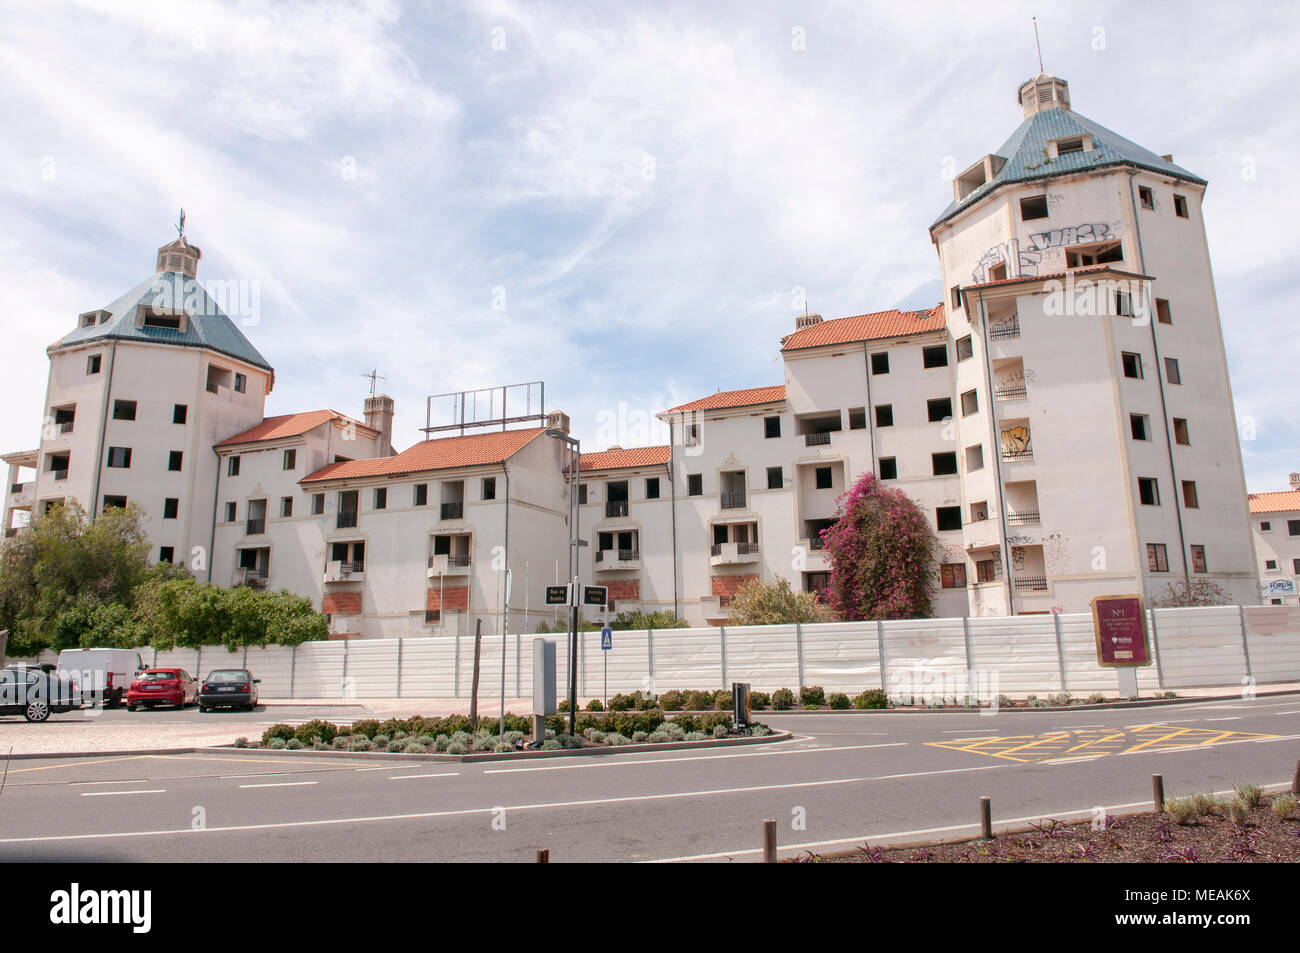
(1233, 718)
(281, 784)
(958, 731)
(1072, 727)
(117, 793)
(709, 757)
(406, 777)
(128, 781)
(1296, 712)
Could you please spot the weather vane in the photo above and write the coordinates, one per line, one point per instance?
(375, 377)
(180, 226)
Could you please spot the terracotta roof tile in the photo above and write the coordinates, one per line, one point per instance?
(866, 327)
(734, 398)
(620, 459)
(1279, 502)
(288, 425)
(445, 453)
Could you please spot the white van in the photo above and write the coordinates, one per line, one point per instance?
(100, 673)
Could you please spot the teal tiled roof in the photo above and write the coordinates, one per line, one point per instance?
(1027, 158)
(207, 326)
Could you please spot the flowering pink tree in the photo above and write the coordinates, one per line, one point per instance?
(883, 555)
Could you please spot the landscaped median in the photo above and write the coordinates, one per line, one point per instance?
(457, 737)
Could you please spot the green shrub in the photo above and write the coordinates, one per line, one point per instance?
(483, 742)
(671, 700)
(550, 744)
(782, 699)
(320, 746)
(594, 735)
(1096, 698)
(398, 745)
(293, 744)
(615, 740)
(283, 732)
(415, 747)
(514, 737)
(441, 743)
(838, 701)
(341, 742)
(360, 743)
(462, 738)
(425, 740)
(1236, 810)
(759, 700)
(698, 701)
(758, 731)
(672, 730)
(722, 700)
(812, 695)
(241, 742)
(595, 705)
(381, 740)
(657, 737)
(696, 736)
(316, 729)
(871, 698)
(1284, 805)
(1182, 810)
(1205, 804)
(394, 727)
(720, 731)
(1061, 698)
(456, 747)
(1250, 794)
(278, 743)
(639, 737)
(366, 726)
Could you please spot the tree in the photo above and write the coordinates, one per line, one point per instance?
(883, 555)
(774, 604)
(1196, 592)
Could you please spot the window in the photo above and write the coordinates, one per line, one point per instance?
(180, 413)
(1033, 207)
(124, 410)
(1148, 491)
(1180, 431)
(230, 512)
(1180, 206)
(986, 570)
(771, 427)
(290, 459)
(1124, 304)
(943, 464)
(1132, 364)
(936, 355)
(166, 554)
(823, 478)
(953, 575)
(174, 460)
(1293, 527)
(1198, 558)
(1163, 314)
(965, 349)
(775, 478)
(1295, 566)
(317, 504)
(171, 506)
(93, 363)
(1270, 564)
(582, 493)
(286, 506)
(975, 458)
(884, 415)
(652, 488)
(948, 518)
(420, 494)
(694, 484)
(1098, 253)
(232, 467)
(489, 488)
(1157, 558)
(1190, 499)
(692, 434)
(939, 409)
(1065, 147)
(119, 457)
(1172, 374)
(888, 468)
(1137, 425)
(156, 319)
(880, 363)
(1265, 526)
(970, 403)
(1146, 197)
(954, 295)
(241, 382)
(857, 418)
(381, 498)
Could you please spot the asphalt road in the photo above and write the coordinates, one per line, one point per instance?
(261, 715)
(845, 779)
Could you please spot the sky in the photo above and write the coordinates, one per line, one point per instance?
(630, 201)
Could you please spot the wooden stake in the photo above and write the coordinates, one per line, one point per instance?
(769, 842)
(473, 694)
(986, 818)
(1158, 792)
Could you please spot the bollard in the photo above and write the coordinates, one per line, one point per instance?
(1295, 781)
(769, 842)
(543, 856)
(986, 818)
(1158, 792)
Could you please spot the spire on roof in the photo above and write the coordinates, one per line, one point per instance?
(180, 255)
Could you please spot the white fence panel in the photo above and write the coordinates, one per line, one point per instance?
(372, 668)
(1273, 636)
(1082, 673)
(924, 657)
(273, 667)
(764, 656)
(428, 667)
(688, 658)
(1016, 654)
(318, 671)
(1200, 646)
(839, 656)
(208, 658)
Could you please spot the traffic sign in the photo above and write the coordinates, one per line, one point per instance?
(607, 638)
(594, 595)
(557, 595)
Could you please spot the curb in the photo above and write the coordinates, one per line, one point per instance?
(1107, 706)
(98, 754)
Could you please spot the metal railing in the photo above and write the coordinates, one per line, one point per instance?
(733, 501)
(1010, 392)
(1031, 582)
(451, 511)
(1023, 518)
(1001, 332)
(432, 615)
(615, 508)
(1026, 454)
(817, 439)
(618, 555)
(347, 519)
(60, 474)
(65, 426)
(255, 527)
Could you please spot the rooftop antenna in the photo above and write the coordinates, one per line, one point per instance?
(180, 227)
(1039, 46)
(375, 378)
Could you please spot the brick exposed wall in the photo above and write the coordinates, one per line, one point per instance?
(454, 598)
(341, 603)
(623, 590)
(724, 587)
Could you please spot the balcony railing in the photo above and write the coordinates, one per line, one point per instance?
(347, 519)
(348, 568)
(255, 527)
(733, 501)
(1001, 332)
(817, 439)
(615, 508)
(16, 488)
(1026, 454)
(452, 511)
(1036, 583)
(742, 549)
(60, 474)
(1010, 392)
(1023, 518)
(432, 615)
(816, 542)
(618, 555)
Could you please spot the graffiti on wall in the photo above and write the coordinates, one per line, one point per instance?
(1055, 554)
(1030, 256)
(1015, 440)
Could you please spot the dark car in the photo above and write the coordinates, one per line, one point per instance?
(162, 686)
(228, 688)
(35, 694)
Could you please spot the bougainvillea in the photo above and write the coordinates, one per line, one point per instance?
(883, 555)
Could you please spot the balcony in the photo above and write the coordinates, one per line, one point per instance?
(347, 519)
(615, 508)
(340, 571)
(20, 494)
(252, 578)
(255, 527)
(1030, 583)
(60, 474)
(1005, 330)
(451, 511)
(449, 564)
(608, 560)
(733, 501)
(734, 554)
(1024, 454)
(1010, 392)
(1023, 518)
(817, 439)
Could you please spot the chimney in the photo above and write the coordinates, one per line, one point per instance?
(1295, 481)
(379, 416)
(806, 321)
(558, 420)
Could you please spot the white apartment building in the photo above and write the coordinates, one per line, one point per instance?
(1064, 419)
(1275, 528)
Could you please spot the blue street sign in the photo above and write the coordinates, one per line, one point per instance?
(607, 638)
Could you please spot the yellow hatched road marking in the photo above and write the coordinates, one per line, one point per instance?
(1049, 748)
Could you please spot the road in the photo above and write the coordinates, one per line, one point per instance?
(843, 780)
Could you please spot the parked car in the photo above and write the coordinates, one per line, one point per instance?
(35, 694)
(162, 686)
(228, 688)
(100, 674)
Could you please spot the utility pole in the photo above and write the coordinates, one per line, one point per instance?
(575, 477)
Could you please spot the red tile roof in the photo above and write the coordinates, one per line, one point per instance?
(620, 459)
(288, 425)
(1058, 276)
(445, 453)
(866, 327)
(733, 398)
(1279, 502)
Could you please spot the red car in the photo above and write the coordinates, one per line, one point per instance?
(162, 686)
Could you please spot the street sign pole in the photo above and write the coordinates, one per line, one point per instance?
(573, 662)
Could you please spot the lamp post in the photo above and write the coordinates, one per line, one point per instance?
(575, 465)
